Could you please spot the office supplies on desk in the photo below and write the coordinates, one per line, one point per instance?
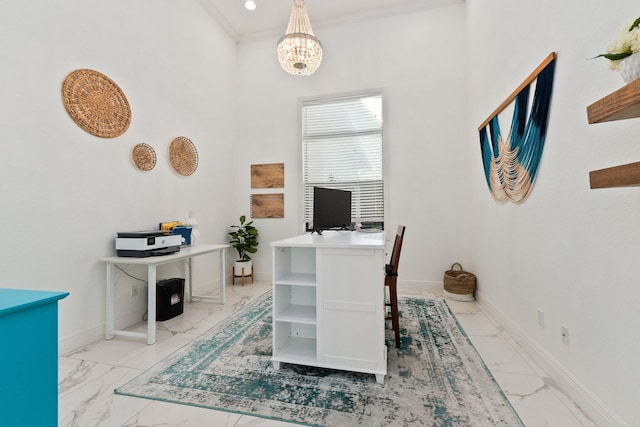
(177, 227)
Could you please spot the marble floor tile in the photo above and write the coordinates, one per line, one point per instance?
(95, 404)
(113, 352)
(544, 409)
(500, 356)
(170, 414)
(463, 307)
(88, 375)
(249, 421)
(153, 354)
(477, 324)
(209, 321)
(74, 373)
(189, 319)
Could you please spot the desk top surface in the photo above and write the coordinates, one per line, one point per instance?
(335, 239)
(163, 259)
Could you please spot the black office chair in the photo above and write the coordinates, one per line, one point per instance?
(390, 281)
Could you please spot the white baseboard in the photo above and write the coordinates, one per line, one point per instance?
(599, 413)
(81, 339)
(419, 286)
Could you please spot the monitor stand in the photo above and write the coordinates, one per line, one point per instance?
(342, 228)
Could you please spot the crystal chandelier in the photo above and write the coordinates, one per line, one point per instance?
(299, 51)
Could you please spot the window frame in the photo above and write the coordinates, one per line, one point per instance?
(301, 144)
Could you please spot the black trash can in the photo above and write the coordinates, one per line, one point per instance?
(169, 298)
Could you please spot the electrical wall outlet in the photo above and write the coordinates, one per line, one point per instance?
(564, 333)
(134, 290)
(540, 318)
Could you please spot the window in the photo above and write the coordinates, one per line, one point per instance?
(342, 148)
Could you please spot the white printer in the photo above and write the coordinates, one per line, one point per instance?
(141, 244)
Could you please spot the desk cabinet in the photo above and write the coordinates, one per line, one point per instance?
(29, 357)
(328, 302)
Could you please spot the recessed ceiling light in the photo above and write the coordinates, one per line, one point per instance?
(250, 5)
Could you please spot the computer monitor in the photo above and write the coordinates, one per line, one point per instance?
(331, 209)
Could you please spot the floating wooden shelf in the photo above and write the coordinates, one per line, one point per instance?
(617, 176)
(619, 105)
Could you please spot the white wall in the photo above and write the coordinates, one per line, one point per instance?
(567, 250)
(65, 193)
(417, 60)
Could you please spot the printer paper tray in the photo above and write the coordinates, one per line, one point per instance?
(151, 252)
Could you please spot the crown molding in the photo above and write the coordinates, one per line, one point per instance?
(400, 8)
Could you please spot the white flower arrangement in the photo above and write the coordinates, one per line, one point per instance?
(626, 44)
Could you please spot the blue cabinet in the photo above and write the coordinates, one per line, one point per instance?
(29, 357)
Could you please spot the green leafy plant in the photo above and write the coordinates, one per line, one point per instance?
(626, 44)
(244, 239)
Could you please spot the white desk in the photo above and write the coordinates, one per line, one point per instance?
(328, 301)
(152, 262)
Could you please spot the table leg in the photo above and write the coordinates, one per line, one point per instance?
(109, 299)
(190, 278)
(151, 305)
(222, 276)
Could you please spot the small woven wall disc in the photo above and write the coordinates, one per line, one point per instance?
(96, 103)
(144, 156)
(183, 156)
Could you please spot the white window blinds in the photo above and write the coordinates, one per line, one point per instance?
(342, 148)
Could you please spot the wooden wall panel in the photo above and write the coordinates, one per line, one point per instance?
(267, 205)
(267, 175)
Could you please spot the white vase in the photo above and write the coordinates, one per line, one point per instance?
(239, 265)
(630, 68)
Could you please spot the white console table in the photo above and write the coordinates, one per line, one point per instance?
(185, 254)
(328, 302)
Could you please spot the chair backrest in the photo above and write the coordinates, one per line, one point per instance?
(392, 268)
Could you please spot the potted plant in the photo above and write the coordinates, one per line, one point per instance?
(624, 53)
(245, 240)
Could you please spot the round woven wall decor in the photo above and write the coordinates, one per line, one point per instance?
(96, 103)
(144, 156)
(183, 156)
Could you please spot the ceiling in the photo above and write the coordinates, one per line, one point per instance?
(271, 17)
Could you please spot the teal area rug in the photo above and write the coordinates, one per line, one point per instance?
(436, 379)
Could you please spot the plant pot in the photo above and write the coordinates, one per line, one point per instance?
(630, 68)
(239, 265)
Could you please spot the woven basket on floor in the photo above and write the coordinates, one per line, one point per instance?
(459, 282)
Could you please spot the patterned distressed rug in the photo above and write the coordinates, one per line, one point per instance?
(436, 379)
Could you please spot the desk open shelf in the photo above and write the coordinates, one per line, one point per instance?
(300, 351)
(297, 313)
(294, 306)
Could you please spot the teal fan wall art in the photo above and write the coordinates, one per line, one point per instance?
(511, 163)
